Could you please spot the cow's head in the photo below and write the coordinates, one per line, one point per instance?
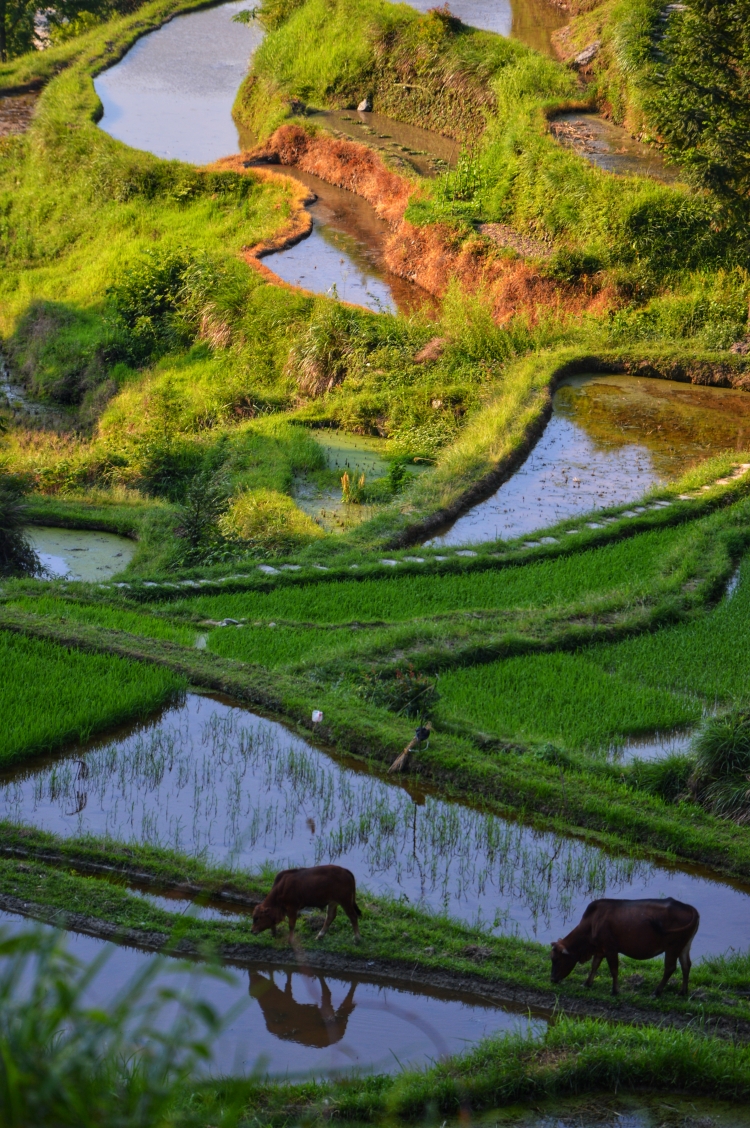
(266, 916)
(563, 961)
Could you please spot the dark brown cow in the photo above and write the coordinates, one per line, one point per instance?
(318, 887)
(638, 929)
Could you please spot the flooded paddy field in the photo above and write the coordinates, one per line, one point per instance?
(530, 21)
(284, 1022)
(343, 256)
(211, 778)
(609, 441)
(80, 554)
(172, 93)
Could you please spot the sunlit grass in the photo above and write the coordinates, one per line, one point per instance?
(50, 695)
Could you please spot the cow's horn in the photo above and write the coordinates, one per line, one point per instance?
(566, 952)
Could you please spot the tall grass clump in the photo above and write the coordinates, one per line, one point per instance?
(721, 777)
(66, 1063)
(50, 695)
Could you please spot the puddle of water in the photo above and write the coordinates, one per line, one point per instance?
(80, 554)
(295, 1024)
(610, 147)
(656, 747)
(173, 91)
(343, 256)
(530, 21)
(358, 454)
(425, 151)
(209, 777)
(609, 441)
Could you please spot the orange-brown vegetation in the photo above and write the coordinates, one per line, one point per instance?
(430, 256)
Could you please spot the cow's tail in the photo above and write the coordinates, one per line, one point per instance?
(357, 909)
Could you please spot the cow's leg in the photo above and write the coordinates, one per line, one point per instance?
(670, 963)
(613, 962)
(292, 923)
(685, 964)
(351, 912)
(330, 918)
(595, 961)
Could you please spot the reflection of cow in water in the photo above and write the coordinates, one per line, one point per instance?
(309, 1024)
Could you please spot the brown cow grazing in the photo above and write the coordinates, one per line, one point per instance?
(638, 929)
(318, 887)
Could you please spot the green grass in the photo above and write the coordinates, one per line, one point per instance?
(630, 567)
(709, 657)
(559, 697)
(655, 681)
(99, 614)
(50, 695)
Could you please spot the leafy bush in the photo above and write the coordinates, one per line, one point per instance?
(268, 521)
(702, 107)
(65, 1064)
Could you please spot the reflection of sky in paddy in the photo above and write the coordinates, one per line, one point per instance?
(172, 93)
(566, 474)
(610, 439)
(328, 263)
(292, 1023)
(208, 778)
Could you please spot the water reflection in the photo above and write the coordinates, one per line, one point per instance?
(344, 255)
(609, 441)
(531, 21)
(311, 1026)
(211, 779)
(309, 1023)
(173, 91)
(610, 147)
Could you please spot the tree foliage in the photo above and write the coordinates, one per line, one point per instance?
(702, 105)
(17, 557)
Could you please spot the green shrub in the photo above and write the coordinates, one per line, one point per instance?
(721, 777)
(17, 557)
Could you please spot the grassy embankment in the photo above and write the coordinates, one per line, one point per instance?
(49, 877)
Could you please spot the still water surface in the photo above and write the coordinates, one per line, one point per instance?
(609, 441)
(173, 91)
(211, 778)
(80, 554)
(283, 1021)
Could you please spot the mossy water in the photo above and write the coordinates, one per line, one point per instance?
(211, 779)
(610, 441)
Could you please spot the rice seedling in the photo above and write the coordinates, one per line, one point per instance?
(113, 618)
(213, 781)
(629, 566)
(50, 695)
(708, 658)
(560, 697)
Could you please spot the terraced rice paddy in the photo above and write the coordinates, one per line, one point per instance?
(628, 565)
(654, 682)
(609, 441)
(50, 695)
(213, 780)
